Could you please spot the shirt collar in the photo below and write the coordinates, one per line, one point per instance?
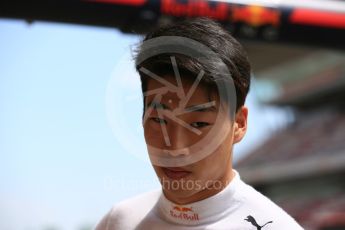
(204, 211)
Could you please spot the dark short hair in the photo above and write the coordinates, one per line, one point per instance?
(210, 34)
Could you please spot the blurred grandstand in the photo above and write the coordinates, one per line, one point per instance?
(302, 166)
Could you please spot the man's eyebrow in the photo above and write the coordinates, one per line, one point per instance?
(206, 107)
(157, 105)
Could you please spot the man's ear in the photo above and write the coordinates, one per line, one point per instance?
(240, 124)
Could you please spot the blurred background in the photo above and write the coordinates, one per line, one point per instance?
(70, 147)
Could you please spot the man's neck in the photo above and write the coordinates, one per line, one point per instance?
(204, 193)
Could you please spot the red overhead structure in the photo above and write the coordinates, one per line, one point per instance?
(308, 22)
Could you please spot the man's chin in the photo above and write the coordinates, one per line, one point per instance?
(178, 188)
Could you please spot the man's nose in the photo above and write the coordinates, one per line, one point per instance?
(179, 141)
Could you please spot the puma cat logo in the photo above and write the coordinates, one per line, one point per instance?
(251, 220)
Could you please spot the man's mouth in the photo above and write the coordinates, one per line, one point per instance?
(175, 173)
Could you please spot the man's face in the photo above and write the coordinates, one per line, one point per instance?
(166, 133)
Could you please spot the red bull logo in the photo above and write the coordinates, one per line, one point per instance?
(184, 213)
(252, 15)
(182, 209)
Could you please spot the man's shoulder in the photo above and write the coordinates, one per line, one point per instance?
(256, 205)
(130, 211)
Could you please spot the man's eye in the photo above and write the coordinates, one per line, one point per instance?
(158, 120)
(199, 124)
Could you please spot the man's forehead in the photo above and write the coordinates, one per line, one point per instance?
(198, 94)
(184, 80)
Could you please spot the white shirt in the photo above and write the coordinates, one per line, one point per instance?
(238, 206)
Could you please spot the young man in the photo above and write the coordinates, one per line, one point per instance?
(194, 113)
